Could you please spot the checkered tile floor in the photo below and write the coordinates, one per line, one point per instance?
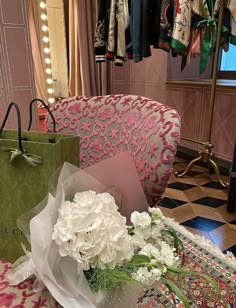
(198, 202)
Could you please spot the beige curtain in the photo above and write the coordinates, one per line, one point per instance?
(86, 77)
(86, 29)
(39, 72)
(75, 84)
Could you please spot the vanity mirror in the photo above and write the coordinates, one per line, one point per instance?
(48, 41)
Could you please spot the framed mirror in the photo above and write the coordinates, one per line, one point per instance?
(49, 48)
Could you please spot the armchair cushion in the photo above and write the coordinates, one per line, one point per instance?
(110, 124)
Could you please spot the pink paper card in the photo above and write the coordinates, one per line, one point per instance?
(119, 171)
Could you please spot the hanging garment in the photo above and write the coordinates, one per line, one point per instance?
(209, 11)
(136, 29)
(150, 25)
(122, 24)
(166, 25)
(101, 31)
(232, 8)
(182, 26)
(112, 32)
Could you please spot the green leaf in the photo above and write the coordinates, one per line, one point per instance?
(172, 287)
(107, 279)
(214, 285)
(130, 230)
(139, 259)
(206, 277)
(177, 241)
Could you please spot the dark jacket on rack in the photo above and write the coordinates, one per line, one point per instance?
(136, 29)
(150, 24)
(164, 24)
(101, 31)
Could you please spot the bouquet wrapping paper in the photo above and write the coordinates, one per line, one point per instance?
(60, 274)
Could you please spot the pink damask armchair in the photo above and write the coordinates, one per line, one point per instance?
(109, 124)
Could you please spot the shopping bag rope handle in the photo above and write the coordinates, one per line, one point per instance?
(49, 111)
(18, 123)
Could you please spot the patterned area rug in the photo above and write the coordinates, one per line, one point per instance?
(201, 256)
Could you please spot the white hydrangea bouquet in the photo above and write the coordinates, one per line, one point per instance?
(91, 230)
(86, 252)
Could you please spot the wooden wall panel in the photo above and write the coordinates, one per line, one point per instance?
(17, 59)
(119, 83)
(186, 101)
(224, 124)
(16, 65)
(13, 12)
(192, 101)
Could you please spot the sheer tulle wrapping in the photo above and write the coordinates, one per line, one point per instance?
(126, 297)
(60, 275)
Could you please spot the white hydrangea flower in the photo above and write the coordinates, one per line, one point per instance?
(84, 198)
(138, 242)
(142, 275)
(156, 213)
(156, 230)
(156, 274)
(143, 232)
(150, 251)
(167, 254)
(145, 277)
(140, 219)
(92, 231)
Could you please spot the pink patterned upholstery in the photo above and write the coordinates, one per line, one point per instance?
(22, 295)
(109, 124)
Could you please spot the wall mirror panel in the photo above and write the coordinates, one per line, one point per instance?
(49, 48)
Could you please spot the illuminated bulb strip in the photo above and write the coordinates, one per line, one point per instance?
(51, 100)
(47, 60)
(42, 5)
(46, 50)
(44, 28)
(49, 81)
(43, 16)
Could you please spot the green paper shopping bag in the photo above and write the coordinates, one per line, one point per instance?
(27, 160)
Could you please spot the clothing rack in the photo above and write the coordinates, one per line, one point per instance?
(207, 155)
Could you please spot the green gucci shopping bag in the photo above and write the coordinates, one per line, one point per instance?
(27, 161)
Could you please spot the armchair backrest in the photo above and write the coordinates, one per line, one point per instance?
(109, 124)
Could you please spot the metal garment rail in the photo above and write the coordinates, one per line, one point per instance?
(206, 155)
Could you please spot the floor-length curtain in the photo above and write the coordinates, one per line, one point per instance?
(86, 77)
(39, 72)
(75, 84)
(86, 29)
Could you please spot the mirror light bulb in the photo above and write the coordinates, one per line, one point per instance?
(44, 28)
(43, 16)
(51, 100)
(49, 81)
(47, 60)
(42, 5)
(46, 50)
(48, 71)
(50, 90)
(45, 39)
